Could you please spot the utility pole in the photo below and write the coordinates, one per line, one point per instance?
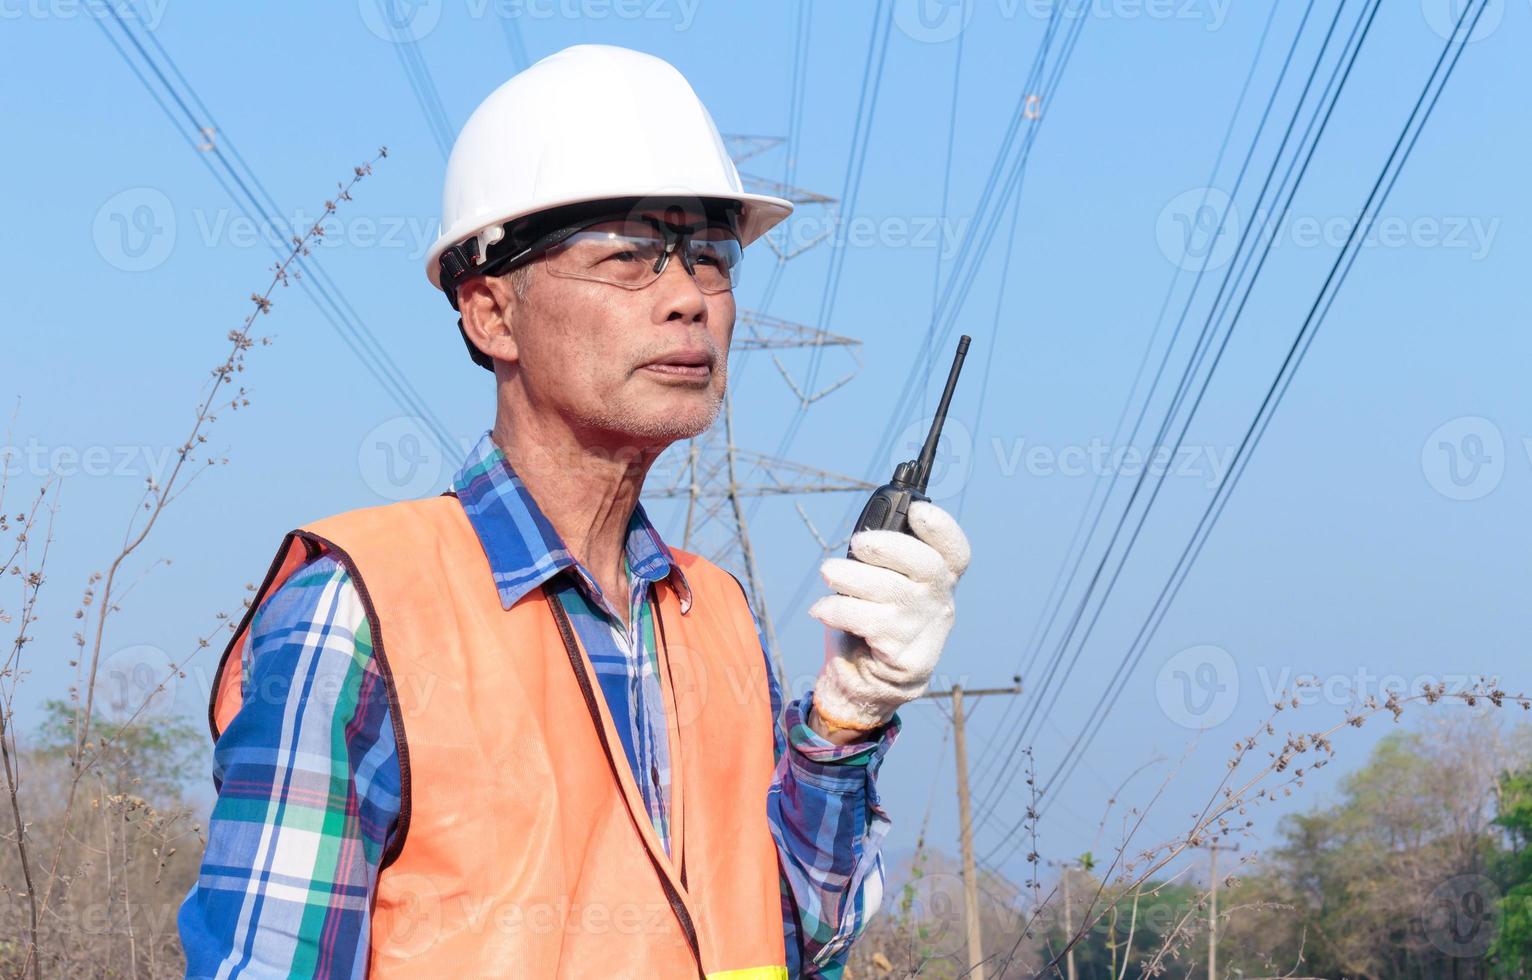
(1069, 915)
(1069, 928)
(965, 817)
(1213, 848)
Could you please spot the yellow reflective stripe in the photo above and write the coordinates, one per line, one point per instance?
(751, 973)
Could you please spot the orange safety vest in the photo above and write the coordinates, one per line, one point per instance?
(523, 846)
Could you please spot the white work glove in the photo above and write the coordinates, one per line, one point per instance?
(885, 626)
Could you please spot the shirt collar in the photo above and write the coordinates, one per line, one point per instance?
(523, 548)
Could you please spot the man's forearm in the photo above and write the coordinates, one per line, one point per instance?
(828, 825)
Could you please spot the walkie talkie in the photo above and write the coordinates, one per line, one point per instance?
(888, 507)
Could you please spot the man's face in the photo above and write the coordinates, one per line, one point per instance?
(637, 368)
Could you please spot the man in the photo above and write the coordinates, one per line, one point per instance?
(505, 731)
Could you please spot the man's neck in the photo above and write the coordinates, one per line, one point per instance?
(587, 490)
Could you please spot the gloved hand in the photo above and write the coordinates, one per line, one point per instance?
(887, 622)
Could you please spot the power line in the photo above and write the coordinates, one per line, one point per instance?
(313, 278)
(1336, 278)
(867, 104)
(1012, 176)
(514, 42)
(1005, 178)
(1056, 660)
(418, 74)
(1210, 330)
(1061, 580)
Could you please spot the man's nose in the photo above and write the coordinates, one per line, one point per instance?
(680, 296)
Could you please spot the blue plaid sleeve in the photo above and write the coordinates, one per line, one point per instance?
(828, 825)
(308, 793)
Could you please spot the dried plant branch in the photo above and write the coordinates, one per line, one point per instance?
(104, 593)
(19, 565)
(1227, 801)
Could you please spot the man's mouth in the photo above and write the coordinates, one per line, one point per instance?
(688, 364)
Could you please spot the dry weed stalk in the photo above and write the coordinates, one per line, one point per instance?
(151, 831)
(1221, 816)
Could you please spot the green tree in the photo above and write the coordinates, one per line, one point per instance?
(1400, 877)
(148, 758)
(1512, 950)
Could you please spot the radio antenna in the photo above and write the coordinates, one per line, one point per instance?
(928, 451)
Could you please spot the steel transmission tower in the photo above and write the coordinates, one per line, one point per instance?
(714, 475)
(711, 472)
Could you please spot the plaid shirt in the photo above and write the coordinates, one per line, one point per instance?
(308, 773)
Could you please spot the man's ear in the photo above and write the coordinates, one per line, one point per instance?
(487, 306)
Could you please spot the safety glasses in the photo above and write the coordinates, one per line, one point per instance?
(633, 252)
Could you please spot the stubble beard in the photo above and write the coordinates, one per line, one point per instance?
(651, 429)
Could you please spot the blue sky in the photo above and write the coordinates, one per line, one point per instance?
(1379, 531)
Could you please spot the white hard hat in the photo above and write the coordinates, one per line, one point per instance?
(590, 123)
